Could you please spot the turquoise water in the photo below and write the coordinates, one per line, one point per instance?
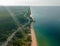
(47, 25)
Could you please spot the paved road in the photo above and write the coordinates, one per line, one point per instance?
(18, 24)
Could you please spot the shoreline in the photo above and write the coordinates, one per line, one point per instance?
(34, 40)
(33, 35)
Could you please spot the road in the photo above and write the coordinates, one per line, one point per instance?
(18, 24)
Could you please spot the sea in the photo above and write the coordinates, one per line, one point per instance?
(47, 25)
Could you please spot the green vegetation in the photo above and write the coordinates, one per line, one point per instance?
(8, 25)
(21, 39)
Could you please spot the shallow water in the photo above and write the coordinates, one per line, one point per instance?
(47, 25)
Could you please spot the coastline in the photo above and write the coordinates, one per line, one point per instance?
(33, 35)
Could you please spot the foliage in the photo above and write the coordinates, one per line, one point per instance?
(8, 25)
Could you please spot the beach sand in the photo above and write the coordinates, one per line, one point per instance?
(34, 40)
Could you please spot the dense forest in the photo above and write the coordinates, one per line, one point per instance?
(8, 25)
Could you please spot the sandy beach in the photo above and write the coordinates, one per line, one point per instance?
(34, 40)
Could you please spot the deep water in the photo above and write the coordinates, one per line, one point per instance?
(47, 25)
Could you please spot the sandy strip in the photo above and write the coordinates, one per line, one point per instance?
(34, 41)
